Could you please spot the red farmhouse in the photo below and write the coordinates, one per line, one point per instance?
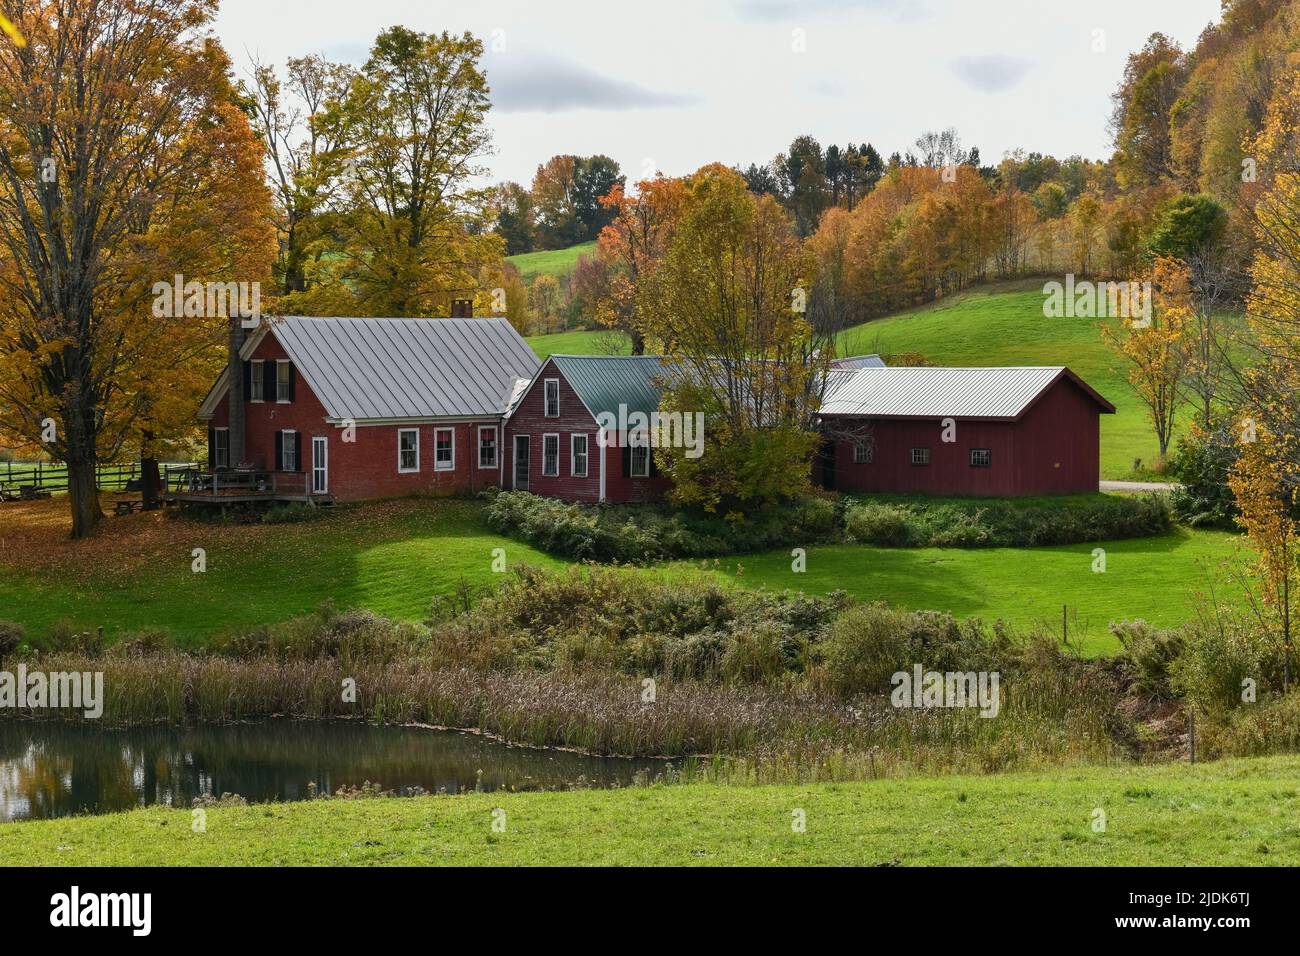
(349, 408)
(364, 408)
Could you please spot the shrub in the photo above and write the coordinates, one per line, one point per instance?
(11, 637)
(1201, 466)
(1151, 652)
(1218, 656)
(882, 524)
(290, 513)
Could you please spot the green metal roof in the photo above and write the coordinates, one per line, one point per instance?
(604, 382)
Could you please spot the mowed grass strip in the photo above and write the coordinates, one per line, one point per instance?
(1234, 813)
(393, 557)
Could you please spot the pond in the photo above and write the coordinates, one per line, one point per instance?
(50, 769)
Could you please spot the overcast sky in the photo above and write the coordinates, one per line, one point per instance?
(674, 84)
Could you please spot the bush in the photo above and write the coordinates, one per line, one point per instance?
(1201, 466)
(11, 637)
(1151, 653)
(1006, 523)
(1218, 656)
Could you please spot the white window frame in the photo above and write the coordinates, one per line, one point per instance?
(864, 454)
(320, 466)
(256, 381)
(439, 465)
(288, 447)
(416, 433)
(217, 450)
(988, 454)
(573, 455)
(556, 472)
(279, 364)
(631, 463)
(496, 446)
(546, 397)
(922, 459)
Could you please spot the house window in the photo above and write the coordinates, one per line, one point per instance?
(552, 397)
(256, 383)
(289, 450)
(981, 457)
(221, 447)
(864, 454)
(408, 449)
(444, 449)
(640, 458)
(282, 373)
(551, 455)
(578, 456)
(920, 456)
(487, 447)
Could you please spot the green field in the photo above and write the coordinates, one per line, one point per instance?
(554, 262)
(393, 557)
(1237, 812)
(606, 342)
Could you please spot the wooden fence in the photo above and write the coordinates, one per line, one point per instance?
(53, 478)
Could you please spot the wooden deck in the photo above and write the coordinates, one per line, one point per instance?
(241, 488)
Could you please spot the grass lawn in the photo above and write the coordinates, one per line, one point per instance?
(394, 556)
(554, 262)
(1239, 812)
(1004, 324)
(580, 343)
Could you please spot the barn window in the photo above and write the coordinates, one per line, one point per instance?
(864, 454)
(256, 380)
(289, 450)
(578, 456)
(283, 389)
(552, 397)
(444, 449)
(221, 447)
(408, 449)
(920, 456)
(640, 461)
(551, 455)
(981, 458)
(487, 447)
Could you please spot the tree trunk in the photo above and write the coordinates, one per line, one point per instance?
(82, 491)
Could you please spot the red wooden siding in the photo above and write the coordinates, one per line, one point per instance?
(1051, 449)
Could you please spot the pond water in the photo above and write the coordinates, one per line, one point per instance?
(50, 769)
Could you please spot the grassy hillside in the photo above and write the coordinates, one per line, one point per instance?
(1238, 812)
(556, 262)
(605, 342)
(393, 557)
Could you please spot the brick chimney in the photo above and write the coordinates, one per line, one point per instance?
(462, 308)
(235, 394)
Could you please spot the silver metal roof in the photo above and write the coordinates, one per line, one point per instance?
(923, 392)
(859, 361)
(407, 368)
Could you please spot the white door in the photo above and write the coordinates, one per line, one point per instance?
(320, 465)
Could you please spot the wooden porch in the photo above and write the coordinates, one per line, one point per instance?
(231, 487)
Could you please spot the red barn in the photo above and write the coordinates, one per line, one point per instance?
(962, 431)
(350, 408)
(555, 444)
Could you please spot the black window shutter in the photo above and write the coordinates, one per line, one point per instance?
(627, 461)
(279, 451)
(248, 380)
(212, 449)
(268, 381)
(293, 376)
(297, 451)
(654, 465)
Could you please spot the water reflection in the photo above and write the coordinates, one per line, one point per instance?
(50, 769)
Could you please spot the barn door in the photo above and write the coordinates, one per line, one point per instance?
(521, 462)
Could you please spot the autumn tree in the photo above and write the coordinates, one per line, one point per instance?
(124, 160)
(728, 305)
(1154, 346)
